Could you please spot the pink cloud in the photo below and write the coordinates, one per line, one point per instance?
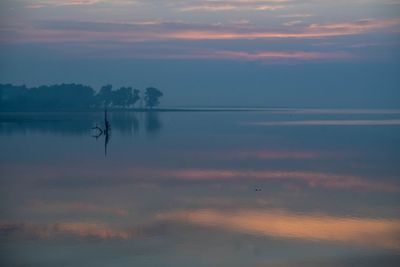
(61, 3)
(233, 5)
(311, 31)
(158, 32)
(357, 27)
(292, 55)
(35, 6)
(263, 56)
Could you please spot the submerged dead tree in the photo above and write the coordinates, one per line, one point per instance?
(106, 131)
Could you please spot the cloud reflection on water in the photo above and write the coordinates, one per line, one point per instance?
(78, 207)
(381, 122)
(309, 177)
(281, 224)
(191, 189)
(131, 175)
(77, 229)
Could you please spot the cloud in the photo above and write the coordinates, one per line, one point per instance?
(238, 5)
(292, 23)
(219, 7)
(356, 27)
(180, 6)
(373, 232)
(47, 3)
(151, 30)
(280, 55)
(35, 6)
(311, 31)
(299, 15)
(261, 56)
(67, 3)
(270, 8)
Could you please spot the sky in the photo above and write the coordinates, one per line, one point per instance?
(254, 53)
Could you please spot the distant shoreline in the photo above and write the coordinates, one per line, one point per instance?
(220, 109)
(142, 110)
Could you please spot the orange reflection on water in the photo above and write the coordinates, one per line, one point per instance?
(273, 155)
(73, 207)
(384, 233)
(74, 229)
(310, 178)
(98, 230)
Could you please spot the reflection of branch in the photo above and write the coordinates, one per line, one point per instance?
(106, 131)
(100, 132)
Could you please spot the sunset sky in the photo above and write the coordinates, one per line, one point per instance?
(270, 53)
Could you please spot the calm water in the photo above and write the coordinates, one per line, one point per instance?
(264, 188)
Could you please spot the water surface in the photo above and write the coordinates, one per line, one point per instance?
(262, 188)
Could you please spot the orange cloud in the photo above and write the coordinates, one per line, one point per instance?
(263, 56)
(304, 15)
(360, 231)
(356, 27)
(121, 32)
(60, 3)
(211, 6)
(35, 6)
(220, 7)
(312, 31)
(298, 55)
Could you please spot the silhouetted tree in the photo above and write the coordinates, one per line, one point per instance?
(13, 96)
(121, 96)
(63, 96)
(151, 97)
(104, 96)
(134, 98)
(73, 96)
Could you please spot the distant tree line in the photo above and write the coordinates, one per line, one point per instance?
(75, 96)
